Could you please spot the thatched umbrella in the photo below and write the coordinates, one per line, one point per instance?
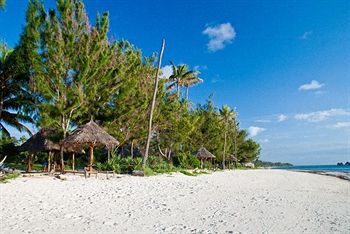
(42, 141)
(233, 158)
(204, 154)
(39, 142)
(90, 134)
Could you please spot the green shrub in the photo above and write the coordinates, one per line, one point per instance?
(188, 173)
(193, 161)
(160, 165)
(148, 171)
(5, 178)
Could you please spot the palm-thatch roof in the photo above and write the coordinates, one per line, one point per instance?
(40, 142)
(90, 134)
(233, 158)
(43, 141)
(203, 153)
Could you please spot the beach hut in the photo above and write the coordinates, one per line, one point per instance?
(39, 142)
(204, 154)
(43, 141)
(91, 135)
(233, 158)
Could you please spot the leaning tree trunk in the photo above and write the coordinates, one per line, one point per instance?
(145, 157)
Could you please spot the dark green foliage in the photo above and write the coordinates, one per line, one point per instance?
(259, 163)
(73, 72)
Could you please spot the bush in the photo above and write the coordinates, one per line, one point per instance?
(120, 165)
(188, 161)
(160, 165)
(193, 161)
(148, 171)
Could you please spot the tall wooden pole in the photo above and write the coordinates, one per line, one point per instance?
(49, 163)
(73, 161)
(91, 157)
(62, 158)
(144, 160)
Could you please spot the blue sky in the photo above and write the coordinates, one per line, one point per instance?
(285, 65)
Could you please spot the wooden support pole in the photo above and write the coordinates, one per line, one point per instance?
(62, 159)
(73, 161)
(49, 162)
(91, 157)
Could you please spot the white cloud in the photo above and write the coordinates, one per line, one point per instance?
(265, 140)
(321, 115)
(167, 71)
(254, 131)
(262, 121)
(314, 84)
(219, 36)
(305, 35)
(281, 118)
(342, 125)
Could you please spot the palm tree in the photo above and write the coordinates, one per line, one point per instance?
(2, 4)
(227, 115)
(14, 96)
(180, 74)
(190, 81)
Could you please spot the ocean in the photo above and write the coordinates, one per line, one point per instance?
(331, 168)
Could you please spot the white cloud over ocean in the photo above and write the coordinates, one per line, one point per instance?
(219, 36)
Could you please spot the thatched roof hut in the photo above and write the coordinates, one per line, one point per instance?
(203, 153)
(232, 158)
(40, 142)
(43, 141)
(90, 134)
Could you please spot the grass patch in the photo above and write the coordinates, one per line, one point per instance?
(23, 167)
(7, 177)
(148, 171)
(200, 172)
(188, 173)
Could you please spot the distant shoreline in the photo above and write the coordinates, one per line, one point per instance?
(340, 175)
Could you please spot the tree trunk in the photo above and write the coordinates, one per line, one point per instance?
(62, 158)
(186, 93)
(132, 149)
(223, 156)
(73, 161)
(236, 145)
(144, 160)
(178, 87)
(49, 162)
(91, 157)
(29, 163)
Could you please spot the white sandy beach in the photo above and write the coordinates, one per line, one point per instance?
(248, 201)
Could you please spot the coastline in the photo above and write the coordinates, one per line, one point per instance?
(340, 175)
(248, 201)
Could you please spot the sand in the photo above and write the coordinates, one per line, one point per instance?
(248, 201)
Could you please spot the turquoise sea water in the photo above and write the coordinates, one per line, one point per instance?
(333, 168)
